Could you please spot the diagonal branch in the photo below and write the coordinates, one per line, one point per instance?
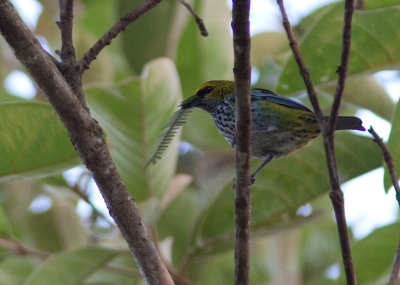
(199, 21)
(336, 193)
(87, 138)
(114, 31)
(300, 62)
(392, 171)
(242, 72)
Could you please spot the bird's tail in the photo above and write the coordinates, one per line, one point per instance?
(349, 123)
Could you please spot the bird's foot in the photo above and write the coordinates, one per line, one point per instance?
(251, 182)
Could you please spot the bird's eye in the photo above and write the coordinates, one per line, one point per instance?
(206, 90)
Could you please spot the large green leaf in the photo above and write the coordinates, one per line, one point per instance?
(14, 270)
(72, 267)
(33, 142)
(287, 183)
(133, 113)
(199, 58)
(373, 255)
(376, 4)
(361, 91)
(374, 45)
(320, 247)
(58, 228)
(148, 37)
(366, 92)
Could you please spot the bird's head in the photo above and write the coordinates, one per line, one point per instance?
(209, 95)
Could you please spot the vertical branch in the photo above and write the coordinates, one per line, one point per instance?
(344, 63)
(66, 16)
(68, 58)
(242, 72)
(336, 193)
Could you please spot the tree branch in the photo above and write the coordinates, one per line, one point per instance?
(392, 171)
(300, 62)
(77, 190)
(336, 193)
(242, 72)
(20, 249)
(66, 16)
(199, 21)
(68, 65)
(87, 137)
(342, 68)
(114, 31)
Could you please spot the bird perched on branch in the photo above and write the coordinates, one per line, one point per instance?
(279, 125)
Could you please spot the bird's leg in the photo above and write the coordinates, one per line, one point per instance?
(265, 162)
(233, 144)
(252, 179)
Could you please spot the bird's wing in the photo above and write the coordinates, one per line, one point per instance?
(266, 95)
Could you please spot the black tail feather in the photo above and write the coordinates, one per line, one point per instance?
(349, 123)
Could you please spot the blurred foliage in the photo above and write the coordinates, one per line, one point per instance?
(132, 88)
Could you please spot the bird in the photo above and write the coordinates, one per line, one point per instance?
(280, 125)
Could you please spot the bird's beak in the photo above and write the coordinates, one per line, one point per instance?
(190, 102)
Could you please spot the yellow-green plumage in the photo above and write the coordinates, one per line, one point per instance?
(279, 124)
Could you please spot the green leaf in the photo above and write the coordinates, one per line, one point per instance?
(99, 16)
(133, 113)
(366, 92)
(58, 228)
(71, 267)
(148, 38)
(287, 183)
(199, 58)
(33, 142)
(320, 247)
(321, 45)
(373, 255)
(5, 226)
(267, 44)
(375, 4)
(14, 270)
(6, 97)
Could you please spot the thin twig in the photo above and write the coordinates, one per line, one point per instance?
(114, 31)
(68, 57)
(199, 21)
(300, 62)
(20, 249)
(242, 72)
(76, 189)
(392, 171)
(66, 16)
(342, 68)
(336, 193)
(389, 162)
